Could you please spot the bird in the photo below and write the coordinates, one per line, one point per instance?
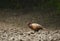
(35, 26)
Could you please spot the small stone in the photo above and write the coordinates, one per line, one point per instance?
(28, 34)
(13, 39)
(21, 33)
(28, 39)
(39, 40)
(32, 32)
(21, 40)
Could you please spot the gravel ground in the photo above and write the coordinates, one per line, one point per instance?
(15, 35)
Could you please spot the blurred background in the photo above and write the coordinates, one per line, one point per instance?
(16, 13)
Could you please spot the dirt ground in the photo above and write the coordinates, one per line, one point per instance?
(19, 18)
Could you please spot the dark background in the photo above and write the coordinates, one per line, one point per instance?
(32, 4)
(19, 12)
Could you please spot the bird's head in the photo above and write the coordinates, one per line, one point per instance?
(29, 23)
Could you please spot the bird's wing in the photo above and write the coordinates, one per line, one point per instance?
(35, 24)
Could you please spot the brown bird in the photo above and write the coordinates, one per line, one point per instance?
(36, 26)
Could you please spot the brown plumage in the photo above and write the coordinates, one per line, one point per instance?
(35, 26)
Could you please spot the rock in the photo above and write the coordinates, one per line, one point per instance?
(21, 40)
